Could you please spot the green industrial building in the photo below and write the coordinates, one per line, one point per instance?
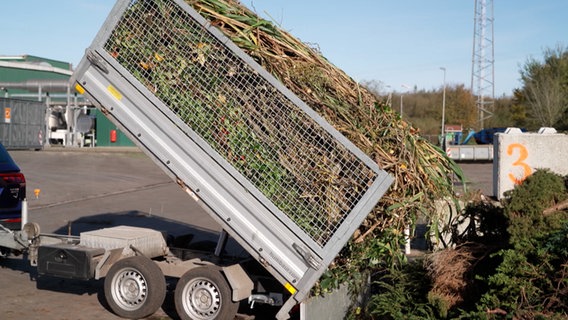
(70, 120)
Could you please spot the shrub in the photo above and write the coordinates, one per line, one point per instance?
(512, 263)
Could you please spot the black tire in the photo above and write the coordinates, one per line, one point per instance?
(203, 293)
(135, 287)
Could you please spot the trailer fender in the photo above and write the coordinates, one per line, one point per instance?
(240, 282)
(109, 258)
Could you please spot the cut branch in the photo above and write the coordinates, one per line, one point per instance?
(559, 206)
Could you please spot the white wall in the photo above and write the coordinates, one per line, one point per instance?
(518, 155)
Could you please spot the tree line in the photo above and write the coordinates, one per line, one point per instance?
(541, 101)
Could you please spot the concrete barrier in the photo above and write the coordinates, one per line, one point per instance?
(336, 304)
(518, 155)
(481, 152)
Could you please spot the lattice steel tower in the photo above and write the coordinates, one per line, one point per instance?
(483, 74)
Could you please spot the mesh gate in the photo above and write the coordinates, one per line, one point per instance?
(298, 165)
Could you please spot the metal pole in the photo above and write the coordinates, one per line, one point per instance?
(389, 98)
(24, 213)
(443, 138)
(401, 96)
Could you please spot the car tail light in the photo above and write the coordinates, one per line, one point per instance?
(14, 178)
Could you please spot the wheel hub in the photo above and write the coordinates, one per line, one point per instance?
(204, 299)
(132, 290)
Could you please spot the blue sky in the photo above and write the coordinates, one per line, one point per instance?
(398, 42)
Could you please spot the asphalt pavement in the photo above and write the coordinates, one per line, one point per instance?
(478, 177)
(105, 187)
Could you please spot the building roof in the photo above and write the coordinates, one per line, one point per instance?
(37, 60)
(27, 76)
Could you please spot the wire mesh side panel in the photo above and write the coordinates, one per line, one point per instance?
(299, 166)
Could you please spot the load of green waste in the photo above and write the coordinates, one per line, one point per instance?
(422, 170)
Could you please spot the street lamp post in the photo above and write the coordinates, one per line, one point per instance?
(401, 95)
(443, 138)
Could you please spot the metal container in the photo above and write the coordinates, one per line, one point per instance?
(22, 124)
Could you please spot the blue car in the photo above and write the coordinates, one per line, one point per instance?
(12, 191)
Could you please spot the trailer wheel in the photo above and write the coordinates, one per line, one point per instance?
(203, 294)
(135, 287)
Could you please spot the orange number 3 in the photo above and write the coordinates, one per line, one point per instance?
(523, 155)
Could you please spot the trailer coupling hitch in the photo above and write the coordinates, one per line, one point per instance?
(272, 299)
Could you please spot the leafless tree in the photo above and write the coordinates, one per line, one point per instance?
(545, 87)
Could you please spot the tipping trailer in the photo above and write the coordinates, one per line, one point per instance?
(279, 179)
